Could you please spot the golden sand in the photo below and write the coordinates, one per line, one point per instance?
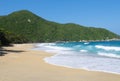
(23, 64)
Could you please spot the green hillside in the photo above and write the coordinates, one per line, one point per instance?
(24, 26)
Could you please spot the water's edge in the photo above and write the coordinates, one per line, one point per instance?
(94, 56)
(46, 61)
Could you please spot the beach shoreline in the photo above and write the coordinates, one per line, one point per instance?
(24, 64)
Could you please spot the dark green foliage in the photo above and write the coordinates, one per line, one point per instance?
(3, 39)
(24, 26)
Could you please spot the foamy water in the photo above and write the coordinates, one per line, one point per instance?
(94, 56)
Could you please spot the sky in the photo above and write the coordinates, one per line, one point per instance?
(90, 13)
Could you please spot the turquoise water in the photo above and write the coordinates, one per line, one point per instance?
(94, 56)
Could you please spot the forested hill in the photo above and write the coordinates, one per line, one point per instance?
(24, 26)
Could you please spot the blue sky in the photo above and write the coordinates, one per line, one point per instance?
(97, 13)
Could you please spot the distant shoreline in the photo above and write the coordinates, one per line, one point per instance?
(89, 40)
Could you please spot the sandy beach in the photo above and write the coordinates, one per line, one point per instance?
(23, 64)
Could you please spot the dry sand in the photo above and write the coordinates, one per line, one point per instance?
(23, 64)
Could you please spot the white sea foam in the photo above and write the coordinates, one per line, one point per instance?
(83, 51)
(86, 43)
(50, 47)
(86, 62)
(58, 48)
(109, 55)
(68, 57)
(44, 44)
(108, 48)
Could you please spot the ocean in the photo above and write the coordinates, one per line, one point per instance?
(93, 56)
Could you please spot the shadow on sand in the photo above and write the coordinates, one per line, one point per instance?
(4, 51)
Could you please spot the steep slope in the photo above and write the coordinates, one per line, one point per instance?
(33, 28)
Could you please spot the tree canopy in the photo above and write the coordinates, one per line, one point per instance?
(24, 26)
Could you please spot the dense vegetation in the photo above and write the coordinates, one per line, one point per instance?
(24, 26)
(3, 39)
